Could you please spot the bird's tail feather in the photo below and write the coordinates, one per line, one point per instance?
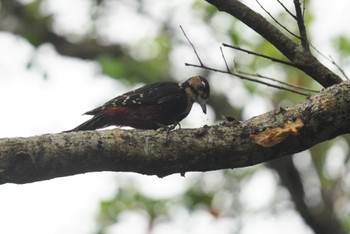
(98, 121)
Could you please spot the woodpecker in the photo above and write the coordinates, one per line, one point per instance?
(152, 106)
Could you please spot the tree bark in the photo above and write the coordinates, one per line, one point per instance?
(272, 135)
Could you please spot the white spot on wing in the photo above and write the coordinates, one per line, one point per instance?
(125, 100)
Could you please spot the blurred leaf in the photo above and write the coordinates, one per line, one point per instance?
(130, 199)
(207, 10)
(37, 23)
(154, 68)
(342, 43)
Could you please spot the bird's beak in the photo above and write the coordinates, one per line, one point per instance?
(202, 103)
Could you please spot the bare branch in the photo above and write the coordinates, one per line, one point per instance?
(304, 8)
(260, 55)
(287, 10)
(302, 59)
(276, 21)
(245, 77)
(339, 68)
(194, 49)
(281, 82)
(331, 60)
(223, 57)
(301, 25)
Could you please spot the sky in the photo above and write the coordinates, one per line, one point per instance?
(32, 106)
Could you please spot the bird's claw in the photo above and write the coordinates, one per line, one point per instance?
(167, 129)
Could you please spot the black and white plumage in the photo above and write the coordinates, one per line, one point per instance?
(152, 106)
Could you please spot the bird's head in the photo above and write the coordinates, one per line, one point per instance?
(197, 88)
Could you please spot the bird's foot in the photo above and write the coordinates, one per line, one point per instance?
(167, 129)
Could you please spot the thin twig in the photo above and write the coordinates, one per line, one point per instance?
(331, 60)
(243, 77)
(301, 25)
(287, 10)
(194, 49)
(260, 55)
(339, 68)
(278, 81)
(223, 56)
(320, 53)
(276, 21)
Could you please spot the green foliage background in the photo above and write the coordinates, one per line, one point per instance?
(151, 60)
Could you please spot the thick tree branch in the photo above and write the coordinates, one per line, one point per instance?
(303, 59)
(272, 135)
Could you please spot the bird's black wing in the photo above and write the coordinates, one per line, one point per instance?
(150, 94)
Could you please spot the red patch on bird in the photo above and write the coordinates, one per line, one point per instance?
(115, 110)
(142, 117)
